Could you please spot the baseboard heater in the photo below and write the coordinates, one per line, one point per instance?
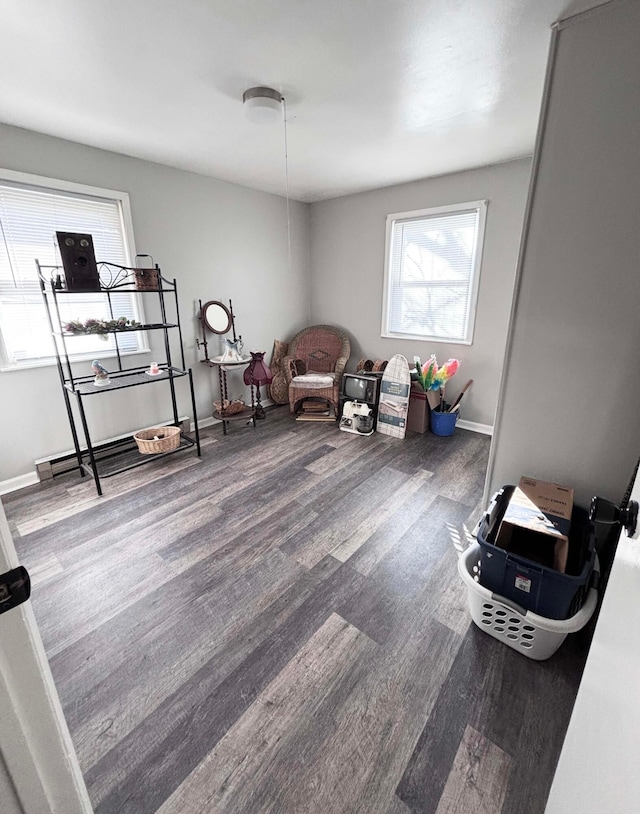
(47, 468)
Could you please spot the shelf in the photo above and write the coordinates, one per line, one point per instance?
(123, 460)
(243, 414)
(120, 379)
(153, 327)
(92, 460)
(113, 278)
(120, 288)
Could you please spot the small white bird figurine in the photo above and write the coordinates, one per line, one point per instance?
(101, 374)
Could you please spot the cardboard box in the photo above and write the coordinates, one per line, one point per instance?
(536, 523)
(418, 415)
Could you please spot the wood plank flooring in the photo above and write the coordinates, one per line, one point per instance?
(279, 627)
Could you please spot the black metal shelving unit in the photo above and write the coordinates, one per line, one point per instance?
(116, 279)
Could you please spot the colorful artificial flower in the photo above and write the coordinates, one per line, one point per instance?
(429, 372)
(444, 374)
(426, 372)
(451, 367)
(432, 377)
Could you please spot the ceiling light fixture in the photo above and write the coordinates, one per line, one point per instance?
(263, 105)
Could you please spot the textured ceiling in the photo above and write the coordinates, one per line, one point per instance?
(378, 91)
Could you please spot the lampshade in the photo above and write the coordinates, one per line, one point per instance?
(263, 105)
(257, 372)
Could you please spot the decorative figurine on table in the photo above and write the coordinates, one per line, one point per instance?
(101, 374)
(232, 350)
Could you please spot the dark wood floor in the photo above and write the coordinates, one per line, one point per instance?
(279, 627)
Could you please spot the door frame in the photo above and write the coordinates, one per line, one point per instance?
(35, 744)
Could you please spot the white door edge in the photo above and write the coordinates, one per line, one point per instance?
(35, 743)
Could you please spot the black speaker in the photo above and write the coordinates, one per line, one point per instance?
(78, 261)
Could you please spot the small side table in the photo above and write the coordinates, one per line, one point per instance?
(243, 415)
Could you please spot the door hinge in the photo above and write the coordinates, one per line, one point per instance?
(15, 588)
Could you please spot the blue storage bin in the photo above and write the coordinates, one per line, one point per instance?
(443, 423)
(530, 585)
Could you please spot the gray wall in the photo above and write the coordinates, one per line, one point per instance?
(571, 384)
(219, 240)
(10, 802)
(347, 259)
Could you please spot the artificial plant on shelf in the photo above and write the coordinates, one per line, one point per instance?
(433, 378)
(101, 327)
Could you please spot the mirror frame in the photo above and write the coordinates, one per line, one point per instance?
(205, 321)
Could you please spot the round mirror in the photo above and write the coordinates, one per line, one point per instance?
(216, 316)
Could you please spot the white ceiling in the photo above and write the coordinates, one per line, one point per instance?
(378, 91)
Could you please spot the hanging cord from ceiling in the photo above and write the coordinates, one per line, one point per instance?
(286, 182)
(261, 102)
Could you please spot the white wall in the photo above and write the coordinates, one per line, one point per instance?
(219, 240)
(347, 259)
(571, 388)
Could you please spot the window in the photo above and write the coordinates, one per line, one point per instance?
(432, 271)
(32, 209)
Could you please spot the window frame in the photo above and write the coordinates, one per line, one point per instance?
(481, 208)
(122, 198)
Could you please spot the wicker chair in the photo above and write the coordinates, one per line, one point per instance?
(321, 349)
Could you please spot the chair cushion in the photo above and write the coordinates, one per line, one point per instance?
(313, 381)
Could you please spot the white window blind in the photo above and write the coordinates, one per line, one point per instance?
(432, 271)
(29, 218)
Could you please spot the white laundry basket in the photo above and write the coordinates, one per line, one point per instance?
(534, 636)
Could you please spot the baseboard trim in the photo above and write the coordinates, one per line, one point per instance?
(205, 422)
(13, 484)
(485, 429)
(31, 478)
(62, 462)
(47, 468)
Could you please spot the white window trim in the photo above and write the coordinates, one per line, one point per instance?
(130, 251)
(481, 206)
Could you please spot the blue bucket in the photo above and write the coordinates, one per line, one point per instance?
(443, 423)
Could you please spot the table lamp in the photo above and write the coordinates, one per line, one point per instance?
(256, 374)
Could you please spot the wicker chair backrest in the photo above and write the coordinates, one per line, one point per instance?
(320, 347)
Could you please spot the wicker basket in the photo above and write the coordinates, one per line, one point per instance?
(146, 279)
(230, 407)
(157, 439)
